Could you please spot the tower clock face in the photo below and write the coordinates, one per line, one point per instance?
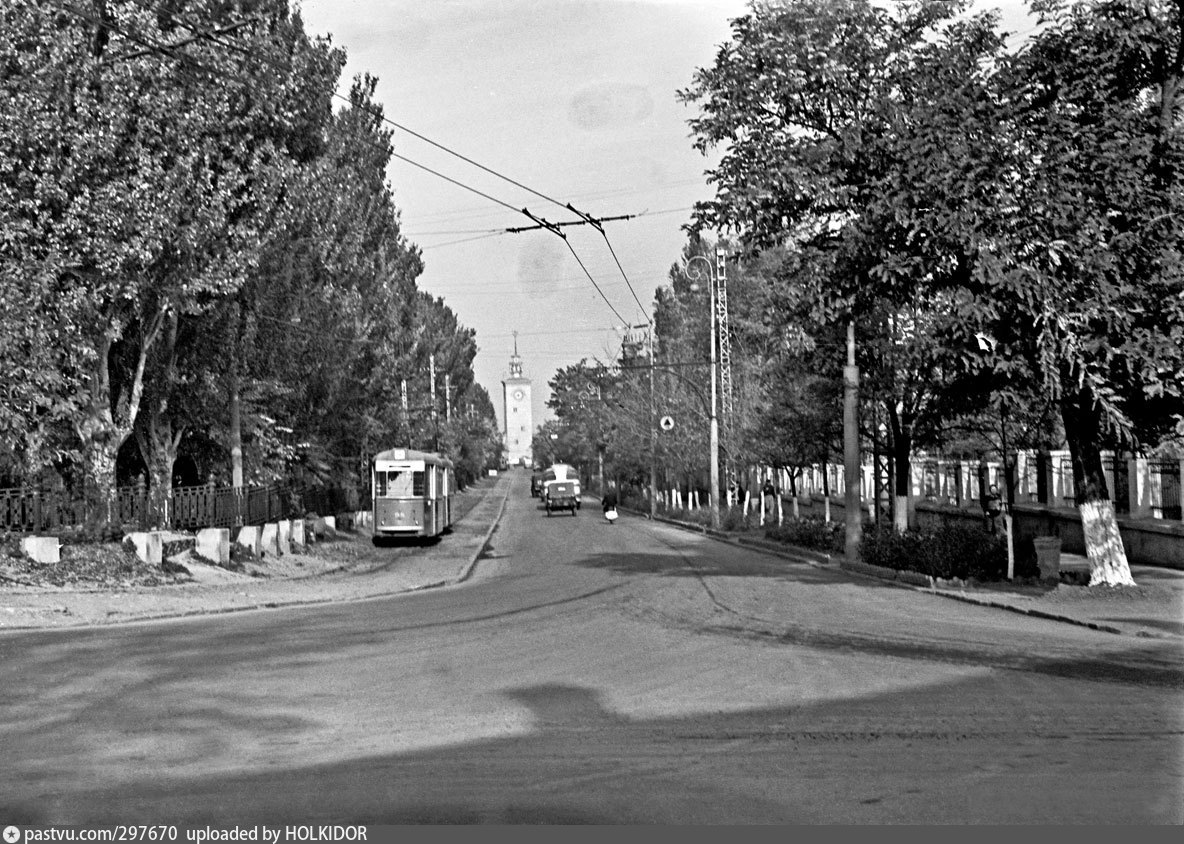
(518, 394)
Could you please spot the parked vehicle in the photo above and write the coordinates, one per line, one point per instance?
(412, 493)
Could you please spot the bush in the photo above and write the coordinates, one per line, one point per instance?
(813, 533)
(730, 519)
(952, 551)
(733, 519)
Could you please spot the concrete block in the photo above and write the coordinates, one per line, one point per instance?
(41, 549)
(213, 544)
(283, 537)
(330, 525)
(296, 536)
(248, 538)
(149, 546)
(269, 539)
(316, 527)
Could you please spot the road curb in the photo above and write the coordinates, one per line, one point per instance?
(966, 599)
(468, 569)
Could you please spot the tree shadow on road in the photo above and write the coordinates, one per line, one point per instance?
(724, 561)
(906, 753)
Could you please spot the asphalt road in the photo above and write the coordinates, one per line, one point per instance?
(595, 673)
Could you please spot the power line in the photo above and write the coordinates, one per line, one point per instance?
(540, 223)
(594, 284)
(424, 247)
(455, 182)
(622, 269)
(214, 37)
(519, 284)
(600, 228)
(586, 220)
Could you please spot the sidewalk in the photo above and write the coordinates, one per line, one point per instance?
(333, 571)
(1152, 608)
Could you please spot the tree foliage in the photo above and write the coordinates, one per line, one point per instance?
(1000, 226)
(199, 253)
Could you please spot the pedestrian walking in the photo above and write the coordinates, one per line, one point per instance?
(769, 497)
(608, 503)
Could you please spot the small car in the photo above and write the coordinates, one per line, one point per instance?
(561, 495)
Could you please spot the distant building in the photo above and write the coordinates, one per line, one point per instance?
(518, 427)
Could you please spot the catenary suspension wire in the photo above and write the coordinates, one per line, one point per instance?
(567, 206)
(210, 35)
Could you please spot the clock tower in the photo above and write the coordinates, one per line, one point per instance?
(518, 427)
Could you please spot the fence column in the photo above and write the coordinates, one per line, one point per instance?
(1180, 487)
(1141, 501)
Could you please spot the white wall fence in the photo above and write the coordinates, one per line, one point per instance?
(1140, 487)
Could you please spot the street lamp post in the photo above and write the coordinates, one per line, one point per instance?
(653, 431)
(854, 518)
(712, 275)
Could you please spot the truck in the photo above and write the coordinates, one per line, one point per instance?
(561, 488)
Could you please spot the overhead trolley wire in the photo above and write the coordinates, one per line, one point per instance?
(214, 36)
(455, 182)
(600, 228)
(540, 223)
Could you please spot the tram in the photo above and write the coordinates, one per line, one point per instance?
(412, 494)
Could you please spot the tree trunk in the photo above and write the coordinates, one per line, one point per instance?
(236, 435)
(1103, 543)
(900, 447)
(825, 494)
(159, 445)
(160, 455)
(100, 443)
(100, 437)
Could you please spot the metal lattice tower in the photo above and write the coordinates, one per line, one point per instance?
(725, 350)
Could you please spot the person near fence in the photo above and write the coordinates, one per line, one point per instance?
(769, 498)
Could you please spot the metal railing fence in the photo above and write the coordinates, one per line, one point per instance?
(24, 510)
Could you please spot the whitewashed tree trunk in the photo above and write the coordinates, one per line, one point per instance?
(1108, 565)
(900, 519)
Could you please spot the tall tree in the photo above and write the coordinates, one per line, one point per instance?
(1094, 260)
(805, 103)
(149, 179)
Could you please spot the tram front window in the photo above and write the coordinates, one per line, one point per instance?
(398, 483)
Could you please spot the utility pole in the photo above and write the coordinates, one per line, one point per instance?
(714, 442)
(653, 430)
(854, 518)
(406, 415)
(447, 397)
(727, 409)
(432, 394)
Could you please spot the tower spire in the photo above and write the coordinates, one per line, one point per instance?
(515, 361)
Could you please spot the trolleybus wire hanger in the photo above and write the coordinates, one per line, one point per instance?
(210, 35)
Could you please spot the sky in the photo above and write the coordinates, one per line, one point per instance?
(575, 101)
